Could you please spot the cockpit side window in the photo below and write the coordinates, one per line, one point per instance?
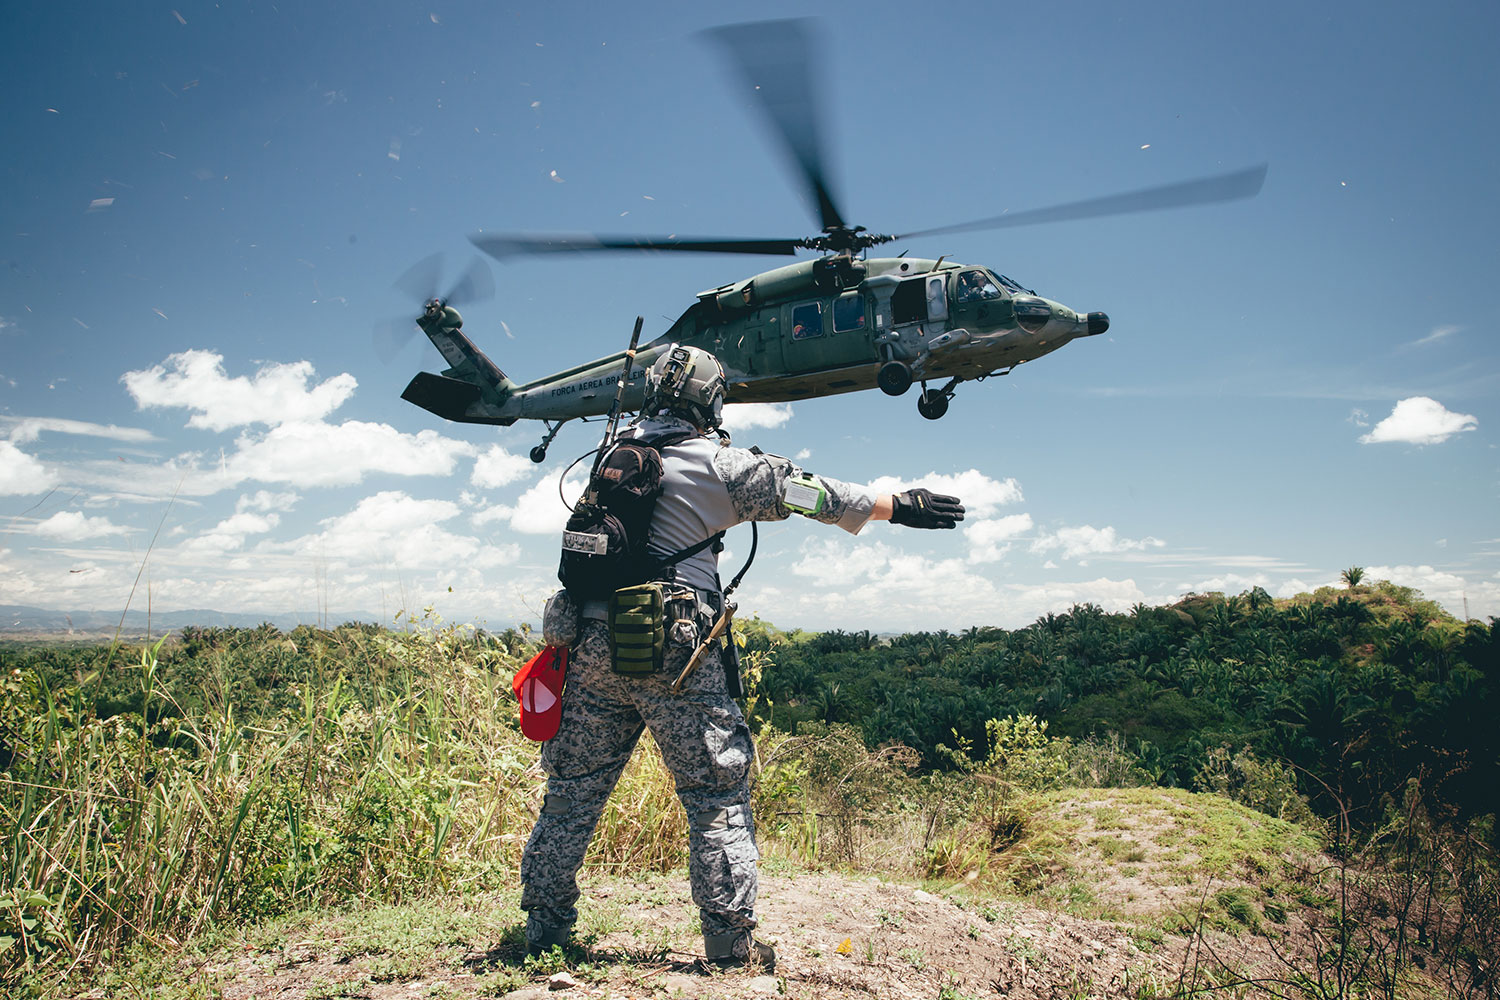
(849, 312)
(807, 321)
(977, 286)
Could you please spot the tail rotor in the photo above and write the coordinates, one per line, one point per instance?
(421, 283)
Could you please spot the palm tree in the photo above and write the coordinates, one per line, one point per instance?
(1353, 575)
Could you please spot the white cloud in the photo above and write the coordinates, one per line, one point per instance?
(28, 429)
(498, 467)
(830, 562)
(747, 416)
(539, 510)
(979, 493)
(20, 474)
(1419, 420)
(230, 533)
(72, 526)
(278, 393)
(394, 530)
(1438, 333)
(989, 540)
(878, 586)
(319, 454)
(265, 501)
(303, 455)
(1087, 540)
(1293, 587)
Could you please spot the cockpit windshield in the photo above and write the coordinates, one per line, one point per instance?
(1014, 287)
(977, 285)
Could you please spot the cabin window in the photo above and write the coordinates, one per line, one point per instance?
(908, 302)
(807, 321)
(849, 312)
(937, 297)
(977, 286)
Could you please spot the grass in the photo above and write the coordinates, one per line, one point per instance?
(1158, 842)
(380, 767)
(370, 785)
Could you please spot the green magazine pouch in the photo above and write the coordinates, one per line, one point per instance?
(637, 629)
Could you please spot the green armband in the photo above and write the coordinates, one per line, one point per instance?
(804, 495)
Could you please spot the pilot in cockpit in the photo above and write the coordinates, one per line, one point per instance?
(976, 285)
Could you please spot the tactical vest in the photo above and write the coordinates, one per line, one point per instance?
(605, 542)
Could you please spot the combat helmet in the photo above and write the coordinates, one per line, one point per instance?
(688, 381)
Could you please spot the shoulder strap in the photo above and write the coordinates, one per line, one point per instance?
(666, 440)
(657, 565)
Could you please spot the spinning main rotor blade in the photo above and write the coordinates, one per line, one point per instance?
(505, 246)
(1206, 190)
(774, 58)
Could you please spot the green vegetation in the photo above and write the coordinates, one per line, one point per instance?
(154, 798)
(1340, 698)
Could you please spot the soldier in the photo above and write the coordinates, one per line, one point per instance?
(708, 487)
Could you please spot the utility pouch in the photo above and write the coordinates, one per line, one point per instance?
(637, 629)
(729, 651)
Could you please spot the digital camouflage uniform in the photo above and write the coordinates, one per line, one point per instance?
(704, 740)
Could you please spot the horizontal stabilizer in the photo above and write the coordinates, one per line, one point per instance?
(449, 398)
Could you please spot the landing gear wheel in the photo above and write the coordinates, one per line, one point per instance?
(539, 454)
(932, 404)
(894, 378)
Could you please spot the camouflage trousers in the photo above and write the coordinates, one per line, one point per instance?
(705, 744)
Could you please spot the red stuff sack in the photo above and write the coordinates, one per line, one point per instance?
(538, 685)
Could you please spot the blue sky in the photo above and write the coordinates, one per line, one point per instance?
(205, 207)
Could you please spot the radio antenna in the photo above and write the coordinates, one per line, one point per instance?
(614, 410)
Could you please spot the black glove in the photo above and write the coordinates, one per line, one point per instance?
(926, 509)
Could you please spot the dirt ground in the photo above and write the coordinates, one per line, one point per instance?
(1139, 857)
(836, 936)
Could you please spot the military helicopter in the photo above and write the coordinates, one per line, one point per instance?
(839, 323)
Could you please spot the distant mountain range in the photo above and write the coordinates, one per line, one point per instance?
(18, 620)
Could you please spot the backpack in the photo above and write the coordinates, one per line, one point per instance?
(604, 543)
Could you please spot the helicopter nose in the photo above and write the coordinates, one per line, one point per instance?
(1098, 323)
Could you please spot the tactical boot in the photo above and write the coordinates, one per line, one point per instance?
(738, 950)
(540, 940)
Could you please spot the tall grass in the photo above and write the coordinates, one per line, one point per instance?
(372, 766)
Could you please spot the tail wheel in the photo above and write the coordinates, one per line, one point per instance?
(894, 378)
(539, 454)
(932, 404)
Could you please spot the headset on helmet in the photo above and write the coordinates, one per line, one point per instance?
(689, 381)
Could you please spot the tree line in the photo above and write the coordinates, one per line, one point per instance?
(1365, 694)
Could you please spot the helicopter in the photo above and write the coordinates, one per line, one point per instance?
(841, 322)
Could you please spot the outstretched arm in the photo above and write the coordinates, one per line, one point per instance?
(770, 488)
